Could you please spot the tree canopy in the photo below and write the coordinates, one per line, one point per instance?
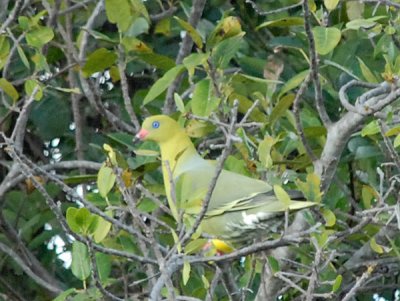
(301, 94)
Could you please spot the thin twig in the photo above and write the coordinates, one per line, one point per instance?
(184, 50)
(96, 276)
(272, 11)
(299, 125)
(314, 67)
(124, 88)
(358, 284)
(36, 278)
(11, 17)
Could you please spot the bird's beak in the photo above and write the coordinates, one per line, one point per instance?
(141, 134)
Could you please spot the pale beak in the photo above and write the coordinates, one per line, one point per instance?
(142, 134)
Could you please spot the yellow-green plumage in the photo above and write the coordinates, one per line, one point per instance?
(238, 204)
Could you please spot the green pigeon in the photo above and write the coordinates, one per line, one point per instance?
(239, 205)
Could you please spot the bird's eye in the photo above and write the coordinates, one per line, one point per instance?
(155, 125)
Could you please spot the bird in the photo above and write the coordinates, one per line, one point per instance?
(239, 207)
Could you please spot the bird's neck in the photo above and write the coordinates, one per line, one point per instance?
(176, 149)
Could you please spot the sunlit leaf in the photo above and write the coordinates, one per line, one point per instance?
(366, 72)
(119, 12)
(80, 265)
(274, 264)
(103, 228)
(284, 22)
(9, 89)
(204, 101)
(331, 4)
(191, 31)
(186, 272)
(105, 180)
(179, 103)
(329, 216)
(99, 60)
(311, 188)
(162, 83)
(281, 107)
(39, 36)
(294, 82)
(326, 39)
(371, 128)
(338, 282)
(282, 195)
(375, 246)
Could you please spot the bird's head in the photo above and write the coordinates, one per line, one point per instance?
(158, 128)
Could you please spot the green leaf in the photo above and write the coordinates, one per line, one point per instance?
(396, 141)
(281, 107)
(393, 131)
(194, 60)
(366, 72)
(205, 281)
(31, 86)
(364, 23)
(338, 282)
(294, 82)
(68, 90)
(195, 245)
(134, 44)
(176, 240)
(197, 128)
(103, 262)
(83, 219)
(9, 89)
(311, 188)
(203, 101)
(39, 36)
(162, 83)
(98, 60)
(102, 228)
(375, 246)
(191, 31)
(23, 22)
(370, 129)
(160, 61)
(23, 57)
(274, 264)
(105, 180)
(140, 25)
(355, 10)
(185, 272)
(326, 39)
(40, 62)
(71, 221)
(63, 296)
(4, 47)
(147, 205)
(331, 4)
(264, 151)
(102, 37)
(224, 51)
(139, 8)
(179, 103)
(368, 194)
(284, 22)
(119, 12)
(282, 195)
(80, 265)
(329, 216)
(147, 152)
